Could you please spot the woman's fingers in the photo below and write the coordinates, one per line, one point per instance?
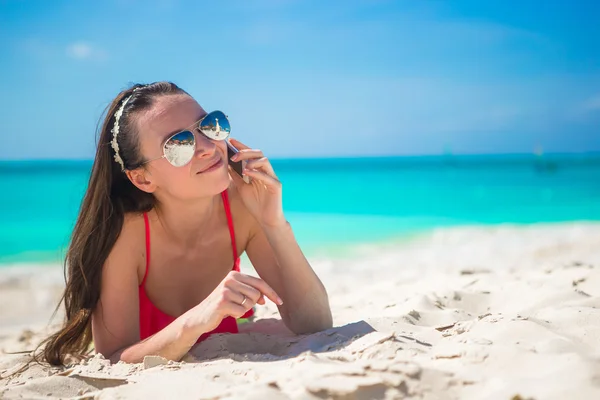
(263, 177)
(236, 177)
(236, 311)
(261, 164)
(239, 145)
(261, 300)
(261, 286)
(256, 160)
(240, 285)
(251, 294)
(247, 154)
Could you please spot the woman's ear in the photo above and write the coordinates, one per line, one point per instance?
(140, 179)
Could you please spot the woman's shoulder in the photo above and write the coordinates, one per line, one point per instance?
(133, 227)
(129, 248)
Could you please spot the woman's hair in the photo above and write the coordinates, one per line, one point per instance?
(108, 197)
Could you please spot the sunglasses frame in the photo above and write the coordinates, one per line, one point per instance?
(190, 129)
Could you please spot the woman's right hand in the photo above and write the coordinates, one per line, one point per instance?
(226, 300)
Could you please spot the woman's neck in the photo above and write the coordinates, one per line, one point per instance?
(187, 222)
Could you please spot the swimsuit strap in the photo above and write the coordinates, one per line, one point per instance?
(225, 197)
(147, 228)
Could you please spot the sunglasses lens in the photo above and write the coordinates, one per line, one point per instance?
(179, 149)
(215, 126)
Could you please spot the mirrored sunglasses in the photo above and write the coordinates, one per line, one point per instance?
(179, 149)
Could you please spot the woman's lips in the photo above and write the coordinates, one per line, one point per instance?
(218, 164)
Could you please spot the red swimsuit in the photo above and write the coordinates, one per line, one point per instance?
(153, 320)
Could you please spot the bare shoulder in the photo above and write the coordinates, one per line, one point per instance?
(129, 250)
(133, 224)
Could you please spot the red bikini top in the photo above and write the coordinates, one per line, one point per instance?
(152, 319)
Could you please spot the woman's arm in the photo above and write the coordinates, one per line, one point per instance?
(115, 321)
(278, 260)
(172, 343)
(272, 247)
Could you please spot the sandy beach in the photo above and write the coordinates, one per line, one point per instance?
(501, 312)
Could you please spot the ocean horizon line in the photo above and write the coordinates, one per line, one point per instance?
(466, 156)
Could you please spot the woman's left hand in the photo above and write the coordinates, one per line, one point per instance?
(262, 196)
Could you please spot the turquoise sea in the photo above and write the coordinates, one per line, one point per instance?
(334, 204)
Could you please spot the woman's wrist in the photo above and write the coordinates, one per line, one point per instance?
(189, 331)
(275, 226)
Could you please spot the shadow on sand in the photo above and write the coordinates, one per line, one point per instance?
(270, 340)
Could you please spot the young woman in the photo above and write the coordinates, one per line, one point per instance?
(153, 267)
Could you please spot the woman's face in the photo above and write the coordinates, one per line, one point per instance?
(169, 115)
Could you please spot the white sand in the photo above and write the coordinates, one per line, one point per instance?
(464, 313)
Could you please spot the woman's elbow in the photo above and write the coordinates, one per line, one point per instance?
(306, 324)
(114, 356)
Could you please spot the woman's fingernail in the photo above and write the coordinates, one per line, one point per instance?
(279, 300)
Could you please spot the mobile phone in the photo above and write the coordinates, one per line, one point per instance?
(237, 166)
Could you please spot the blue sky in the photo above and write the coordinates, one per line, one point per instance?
(311, 78)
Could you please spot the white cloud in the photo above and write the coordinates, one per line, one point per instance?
(592, 104)
(582, 110)
(85, 51)
(79, 50)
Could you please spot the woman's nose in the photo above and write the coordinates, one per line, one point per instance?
(204, 146)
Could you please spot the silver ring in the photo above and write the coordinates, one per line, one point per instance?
(243, 301)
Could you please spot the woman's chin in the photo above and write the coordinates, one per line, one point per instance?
(220, 181)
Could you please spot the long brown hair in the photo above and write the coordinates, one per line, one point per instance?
(108, 197)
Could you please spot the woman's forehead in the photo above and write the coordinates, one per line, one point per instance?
(170, 114)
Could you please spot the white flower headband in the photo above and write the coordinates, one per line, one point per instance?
(115, 131)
